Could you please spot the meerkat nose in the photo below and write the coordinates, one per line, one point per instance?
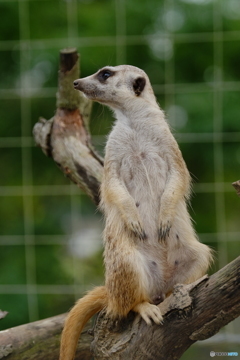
(75, 83)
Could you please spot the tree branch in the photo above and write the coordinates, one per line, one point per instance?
(65, 137)
(39, 340)
(193, 312)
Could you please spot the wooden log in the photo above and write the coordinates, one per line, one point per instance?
(39, 340)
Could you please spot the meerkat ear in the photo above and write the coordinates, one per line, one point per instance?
(138, 85)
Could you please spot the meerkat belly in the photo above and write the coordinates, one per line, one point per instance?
(153, 266)
(144, 174)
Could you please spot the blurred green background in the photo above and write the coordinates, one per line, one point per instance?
(50, 232)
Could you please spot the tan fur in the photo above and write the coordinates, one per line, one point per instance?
(150, 244)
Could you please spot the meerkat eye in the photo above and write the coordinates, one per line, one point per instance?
(104, 75)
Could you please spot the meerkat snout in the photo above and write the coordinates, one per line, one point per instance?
(79, 85)
(76, 84)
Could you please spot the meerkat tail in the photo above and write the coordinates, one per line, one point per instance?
(83, 310)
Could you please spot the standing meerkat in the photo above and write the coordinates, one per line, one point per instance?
(150, 244)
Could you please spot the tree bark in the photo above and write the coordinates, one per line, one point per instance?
(65, 137)
(39, 340)
(193, 312)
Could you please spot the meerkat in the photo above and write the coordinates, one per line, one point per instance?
(149, 241)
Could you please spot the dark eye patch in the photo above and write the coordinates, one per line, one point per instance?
(103, 75)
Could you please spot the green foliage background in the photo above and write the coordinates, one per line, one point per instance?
(190, 50)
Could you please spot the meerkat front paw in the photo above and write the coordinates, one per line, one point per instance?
(137, 229)
(166, 217)
(164, 230)
(133, 223)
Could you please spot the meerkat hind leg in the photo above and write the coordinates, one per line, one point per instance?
(149, 311)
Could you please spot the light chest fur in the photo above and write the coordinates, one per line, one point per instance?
(139, 146)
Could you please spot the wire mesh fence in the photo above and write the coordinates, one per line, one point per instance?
(47, 226)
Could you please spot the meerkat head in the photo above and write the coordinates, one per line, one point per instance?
(116, 86)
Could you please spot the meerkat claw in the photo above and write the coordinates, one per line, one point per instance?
(143, 235)
(138, 231)
(164, 232)
(149, 312)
